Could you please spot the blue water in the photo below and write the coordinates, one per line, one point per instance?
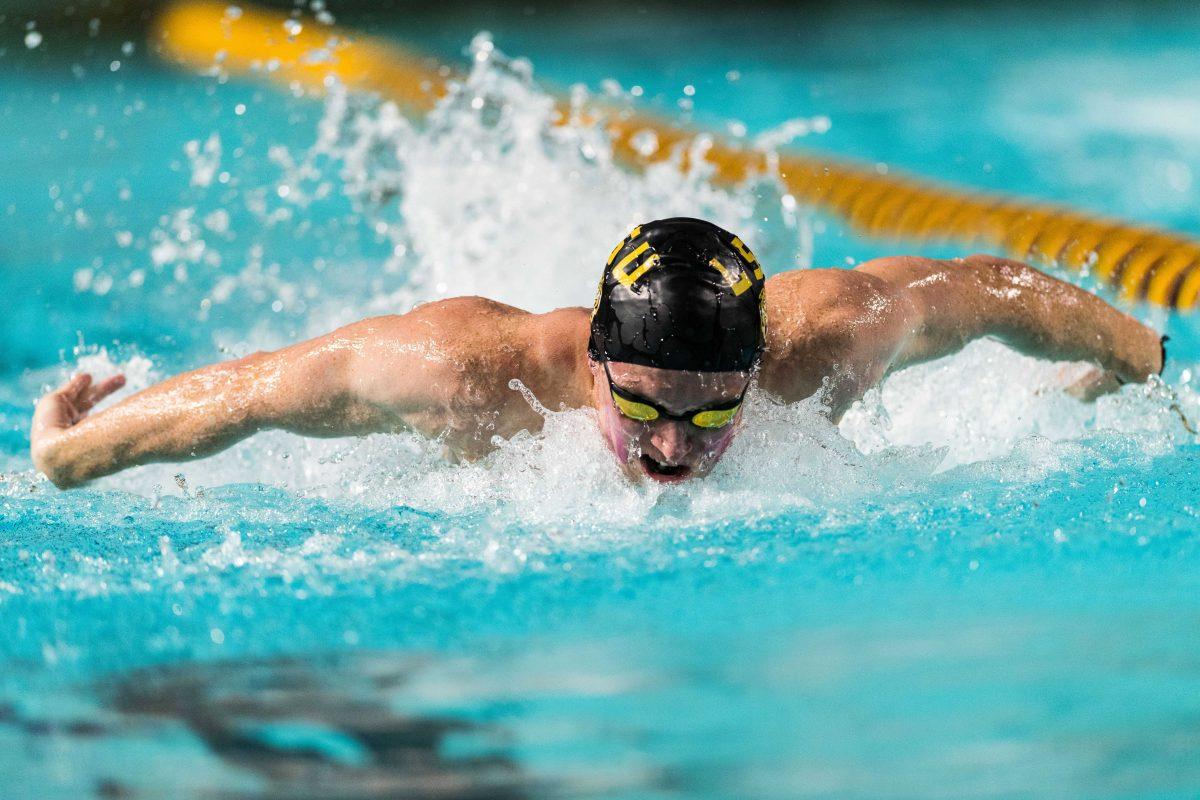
(976, 587)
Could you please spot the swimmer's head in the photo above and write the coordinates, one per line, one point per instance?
(676, 333)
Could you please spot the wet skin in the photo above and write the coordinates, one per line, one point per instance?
(666, 450)
(448, 370)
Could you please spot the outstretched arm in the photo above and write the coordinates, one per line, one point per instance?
(953, 302)
(306, 388)
(372, 376)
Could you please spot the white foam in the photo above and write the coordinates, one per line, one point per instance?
(488, 196)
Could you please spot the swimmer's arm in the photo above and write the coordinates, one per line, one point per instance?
(950, 303)
(330, 386)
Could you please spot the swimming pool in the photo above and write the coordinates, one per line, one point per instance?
(977, 587)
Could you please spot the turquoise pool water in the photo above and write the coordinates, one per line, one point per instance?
(976, 587)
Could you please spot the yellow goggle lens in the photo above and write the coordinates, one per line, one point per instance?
(634, 410)
(715, 419)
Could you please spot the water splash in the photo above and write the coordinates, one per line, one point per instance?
(487, 195)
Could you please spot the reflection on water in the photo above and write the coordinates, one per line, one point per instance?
(289, 728)
(317, 730)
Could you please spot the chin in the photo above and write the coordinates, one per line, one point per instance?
(663, 473)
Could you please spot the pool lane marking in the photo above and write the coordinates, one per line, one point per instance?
(304, 54)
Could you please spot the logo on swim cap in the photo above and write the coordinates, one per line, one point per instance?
(683, 294)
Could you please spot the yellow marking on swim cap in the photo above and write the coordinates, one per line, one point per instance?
(739, 286)
(614, 252)
(599, 294)
(762, 315)
(633, 234)
(628, 278)
(619, 269)
(740, 246)
(650, 262)
(635, 410)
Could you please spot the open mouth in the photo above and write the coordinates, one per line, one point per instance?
(664, 472)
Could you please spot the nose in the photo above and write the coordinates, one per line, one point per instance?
(671, 441)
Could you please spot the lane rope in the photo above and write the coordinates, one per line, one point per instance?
(1141, 262)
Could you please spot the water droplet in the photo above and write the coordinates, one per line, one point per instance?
(645, 142)
(33, 39)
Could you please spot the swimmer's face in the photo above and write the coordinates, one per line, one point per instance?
(664, 449)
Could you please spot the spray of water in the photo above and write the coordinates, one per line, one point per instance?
(487, 196)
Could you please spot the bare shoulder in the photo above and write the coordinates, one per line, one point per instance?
(810, 306)
(478, 331)
(448, 365)
(468, 318)
(448, 333)
(830, 324)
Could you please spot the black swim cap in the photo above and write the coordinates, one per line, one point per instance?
(680, 294)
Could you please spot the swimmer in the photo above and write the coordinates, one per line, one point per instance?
(683, 325)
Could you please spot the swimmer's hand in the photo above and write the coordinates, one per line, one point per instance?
(380, 375)
(61, 410)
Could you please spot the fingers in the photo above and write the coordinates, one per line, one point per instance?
(104, 389)
(81, 394)
(56, 409)
(76, 386)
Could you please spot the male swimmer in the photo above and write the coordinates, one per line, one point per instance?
(683, 323)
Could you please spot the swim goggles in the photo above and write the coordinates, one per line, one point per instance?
(639, 408)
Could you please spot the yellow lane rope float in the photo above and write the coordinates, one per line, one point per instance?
(1142, 262)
